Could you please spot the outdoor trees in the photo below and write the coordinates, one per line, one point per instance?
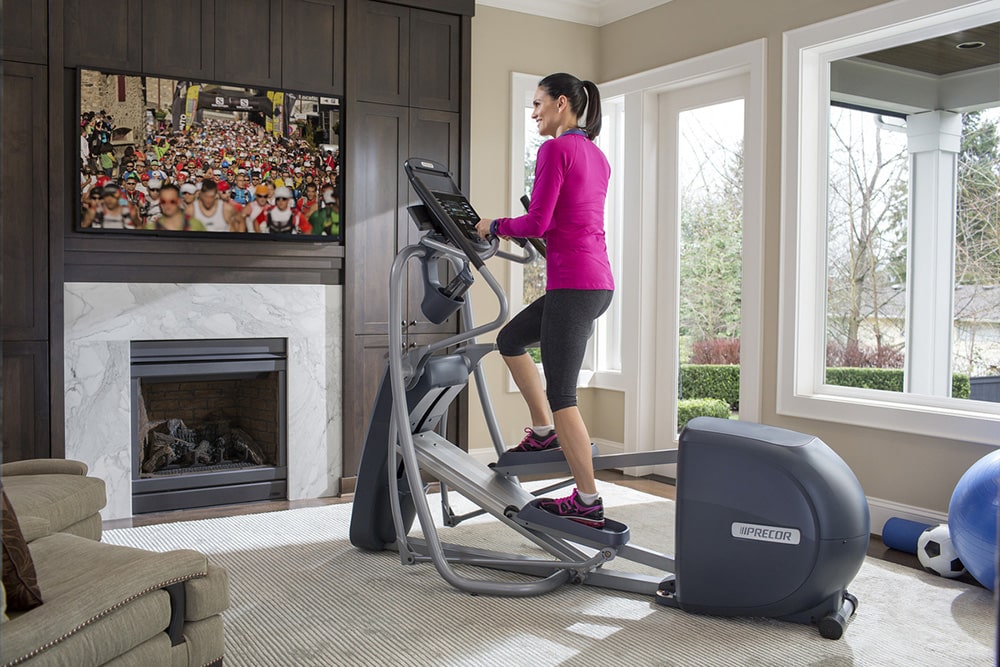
(867, 228)
(866, 234)
(977, 242)
(712, 245)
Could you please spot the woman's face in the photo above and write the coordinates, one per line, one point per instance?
(547, 112)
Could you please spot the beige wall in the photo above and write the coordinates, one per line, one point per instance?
(903, 468)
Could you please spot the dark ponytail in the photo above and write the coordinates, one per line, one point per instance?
(583, 98)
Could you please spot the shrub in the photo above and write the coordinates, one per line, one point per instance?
(711, 381)
(688, 409)
(961, 386)
(716, 351)
(887, 379)
(855, 355)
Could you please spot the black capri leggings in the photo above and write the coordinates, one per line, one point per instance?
(561, 321)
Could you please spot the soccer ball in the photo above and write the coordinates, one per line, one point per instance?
(936, 553)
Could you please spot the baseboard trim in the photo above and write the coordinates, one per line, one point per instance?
(882, 510)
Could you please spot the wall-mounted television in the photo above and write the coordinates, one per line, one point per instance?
(171, 157)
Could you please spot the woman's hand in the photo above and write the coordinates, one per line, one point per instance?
(483, 228)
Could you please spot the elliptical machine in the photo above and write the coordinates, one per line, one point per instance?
(769, 522)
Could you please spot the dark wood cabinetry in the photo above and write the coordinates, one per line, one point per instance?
(25, 30)
(384, 136)
(435, 65)
(408, 97)
(178, 38)
(25, 400)
(24, 302)
(409, 57)
(105, 33)
(312, 45)
(246, 38)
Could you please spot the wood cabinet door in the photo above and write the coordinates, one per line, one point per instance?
(363, 370)
(377, 145)
(382, 61)
(247, 42)
(434, 135)
(435, 60)
(25, 32)
(25, 400)
(24, 204)
(312, 46)
(104, 33)
(185, 49)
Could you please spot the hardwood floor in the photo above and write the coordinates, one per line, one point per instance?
(661, 489)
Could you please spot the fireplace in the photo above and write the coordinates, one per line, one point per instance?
(208, 422)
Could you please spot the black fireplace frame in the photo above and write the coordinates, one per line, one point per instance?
(209, 359)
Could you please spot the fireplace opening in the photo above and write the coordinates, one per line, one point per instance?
(209, 423)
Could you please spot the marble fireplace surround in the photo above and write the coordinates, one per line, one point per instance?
(101, 320)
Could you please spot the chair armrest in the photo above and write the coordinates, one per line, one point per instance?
(136, 573)
(44, 467)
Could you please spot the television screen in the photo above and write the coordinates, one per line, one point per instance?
(167, 156)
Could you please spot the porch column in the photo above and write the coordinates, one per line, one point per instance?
(934, 141)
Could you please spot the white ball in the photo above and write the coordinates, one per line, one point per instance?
(936, 553)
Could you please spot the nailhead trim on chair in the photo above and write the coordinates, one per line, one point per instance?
(104, 613)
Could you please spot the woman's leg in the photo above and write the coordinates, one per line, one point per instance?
(524, 330)
(529, 382)
(567, 325)
(575, 441)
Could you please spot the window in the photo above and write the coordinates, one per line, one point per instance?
(890, 253)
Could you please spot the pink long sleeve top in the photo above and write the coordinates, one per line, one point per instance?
(567, 210)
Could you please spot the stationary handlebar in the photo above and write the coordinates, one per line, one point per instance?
(534, 248)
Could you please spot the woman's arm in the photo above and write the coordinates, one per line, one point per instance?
(549, 175)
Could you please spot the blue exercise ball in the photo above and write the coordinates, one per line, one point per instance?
(972, 518)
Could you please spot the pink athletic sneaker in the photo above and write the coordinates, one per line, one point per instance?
(536, 443)
(572, 507)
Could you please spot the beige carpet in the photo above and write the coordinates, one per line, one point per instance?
(302, 595)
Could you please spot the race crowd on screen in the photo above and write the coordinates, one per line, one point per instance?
(217, 176)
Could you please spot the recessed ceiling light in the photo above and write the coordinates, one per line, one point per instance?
(970, 45)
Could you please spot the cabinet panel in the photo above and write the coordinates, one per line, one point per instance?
(25, 401)
(434, 135)
(378, 139)
(178, 38)
(248, 42)
(364, 369)
(382, 63)
(25, 32)
(24, 203)
(312, 46)
(435, 65)
(104, 33)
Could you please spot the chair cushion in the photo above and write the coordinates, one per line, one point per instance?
(62, 500)
(20, 582)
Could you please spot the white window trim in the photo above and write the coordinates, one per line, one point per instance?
(640, 348)
(801, 366)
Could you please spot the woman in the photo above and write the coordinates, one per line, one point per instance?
(567, 210)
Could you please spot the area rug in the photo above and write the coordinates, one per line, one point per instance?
(302, 595)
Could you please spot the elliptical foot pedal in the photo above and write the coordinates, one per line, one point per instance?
(613, 534)
(508, 461)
